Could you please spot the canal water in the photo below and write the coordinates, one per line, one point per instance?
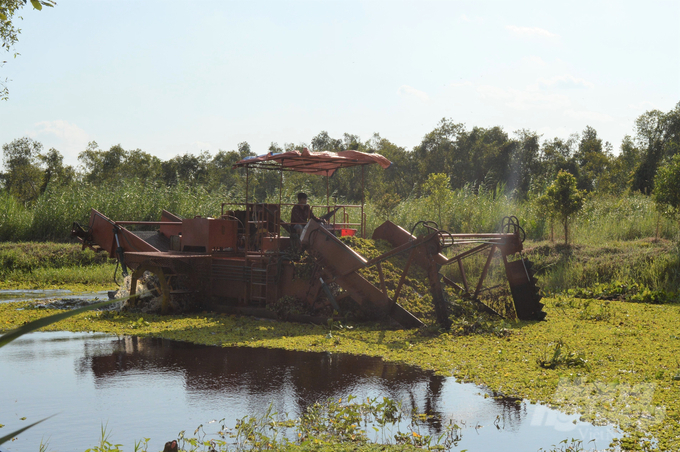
(51, 295)
(154, 388)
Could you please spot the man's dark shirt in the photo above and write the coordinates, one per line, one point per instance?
(301, 213)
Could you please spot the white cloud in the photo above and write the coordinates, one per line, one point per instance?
(67, 138)
(524, 99)
(588, 115)
(566, 81)
(465, 18)
(410, 92)
(63, 130)
(530, 31)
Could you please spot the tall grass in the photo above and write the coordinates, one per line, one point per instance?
(463, 210)
(51, 216)
(15, 219)
(603, 218)
(655, 265)
(627, 217)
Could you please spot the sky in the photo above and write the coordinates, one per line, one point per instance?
(170, 77)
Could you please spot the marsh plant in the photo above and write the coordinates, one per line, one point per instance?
(567, 445)
(601, 312)
(333, 422)
(558, 354)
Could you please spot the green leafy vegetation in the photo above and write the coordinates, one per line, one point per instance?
(666, 183)
(568, 445)
(609, 270)
(563, 200)
(32, 265)
(559, 354)
(333, 425)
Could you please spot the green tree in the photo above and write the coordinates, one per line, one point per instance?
(400, 179)
(666, 193)
(555, 155)
(102, 166)
(474, 157)
(484, 158)
(438, 188)
(441, 151)
(619, 175)
(524, 163)
(324, 142)
(24, 176)
(9, 34)
(55, 171)
(657, 135)
(563, 200)
(220, 172)
(108, 167)
(346, 183)
(188, 168)
(594, 160)
(142, 166)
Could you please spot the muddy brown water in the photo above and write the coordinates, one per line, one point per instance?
(155, 388)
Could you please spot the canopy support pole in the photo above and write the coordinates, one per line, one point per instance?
(280, 188)
(247, 181)
(363, 226)
(278, 225)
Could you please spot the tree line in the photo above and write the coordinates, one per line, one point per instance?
(522, 163)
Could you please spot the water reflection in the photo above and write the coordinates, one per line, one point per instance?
(267, 373)
(146, 387)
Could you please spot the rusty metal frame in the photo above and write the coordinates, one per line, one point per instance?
(485, 271)
(403, 276)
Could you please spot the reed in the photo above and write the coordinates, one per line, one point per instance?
(53, 213)
(603, 218)
(626, 217)
(15, 219)
(650, 264)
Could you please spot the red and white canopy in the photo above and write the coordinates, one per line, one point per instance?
(322, 163)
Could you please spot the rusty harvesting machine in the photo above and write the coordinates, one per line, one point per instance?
(245, 260)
